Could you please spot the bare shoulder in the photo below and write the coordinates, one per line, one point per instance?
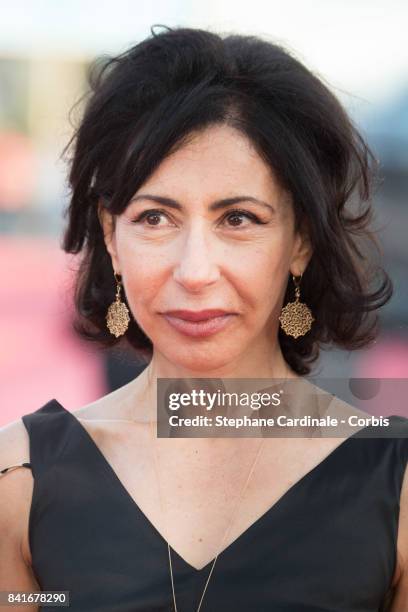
(400, 580)
(16, 485)
(14, 444)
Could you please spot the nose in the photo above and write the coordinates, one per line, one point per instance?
(196, 267)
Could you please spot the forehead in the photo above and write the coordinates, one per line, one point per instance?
(217, 161)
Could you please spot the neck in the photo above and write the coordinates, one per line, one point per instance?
(258, 362)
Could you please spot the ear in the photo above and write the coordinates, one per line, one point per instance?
(302, 251)
(107, 221)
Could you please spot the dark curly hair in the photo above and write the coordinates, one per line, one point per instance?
(144, 103)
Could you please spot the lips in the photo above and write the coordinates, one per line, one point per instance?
(199, 324)
(198, 315)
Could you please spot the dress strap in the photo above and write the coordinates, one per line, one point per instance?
(48, 429)
(400, 432)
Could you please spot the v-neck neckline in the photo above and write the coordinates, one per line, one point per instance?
(253, 526)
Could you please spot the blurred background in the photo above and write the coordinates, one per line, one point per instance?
(358, 48)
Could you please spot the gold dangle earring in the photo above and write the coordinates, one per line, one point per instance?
(117, 319)
(296, 317)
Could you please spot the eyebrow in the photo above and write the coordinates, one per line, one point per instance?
(217, 205)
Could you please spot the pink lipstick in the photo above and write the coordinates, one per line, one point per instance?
(199, 323)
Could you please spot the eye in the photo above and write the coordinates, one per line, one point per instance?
(152, 217)
(236, 217)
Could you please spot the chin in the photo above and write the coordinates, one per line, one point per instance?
(200, 360)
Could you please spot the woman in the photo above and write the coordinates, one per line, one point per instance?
(213, 179)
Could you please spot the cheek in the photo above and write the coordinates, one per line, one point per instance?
(262, 275)
(143, 272)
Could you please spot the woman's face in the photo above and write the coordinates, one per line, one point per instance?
(210, 229)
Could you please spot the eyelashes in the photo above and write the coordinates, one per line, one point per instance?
(235, 213)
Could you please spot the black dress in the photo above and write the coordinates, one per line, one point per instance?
(327, 545)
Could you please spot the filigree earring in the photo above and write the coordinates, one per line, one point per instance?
(117, 318)
(296, 317)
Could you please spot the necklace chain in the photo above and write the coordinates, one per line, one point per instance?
(165, 519)
(225, 535)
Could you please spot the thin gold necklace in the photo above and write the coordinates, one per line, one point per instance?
(225, 535)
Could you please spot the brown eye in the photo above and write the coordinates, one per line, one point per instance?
(235, 218)
(152, 218)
